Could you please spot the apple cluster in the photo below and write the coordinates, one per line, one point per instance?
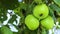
(39, 17)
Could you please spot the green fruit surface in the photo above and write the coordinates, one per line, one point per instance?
(57, 2)
(41, 11)
(48, 22)
(31, 22)
(5, 30)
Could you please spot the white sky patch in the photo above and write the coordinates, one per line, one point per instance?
(6, 21)
(19, 0)
(10, 25)
(57, 23)
(57, 31)
(11, 11)
(50, 31)
(12, 28)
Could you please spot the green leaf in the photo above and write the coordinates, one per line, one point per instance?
(57, 2)
(51, 13)
(11, 20)
(22, 5)
(3, 14)
(14, 32)
(58, 19)
(9, 4)
(18, 11)
(43, 31)
(27, 31)
(55, 7)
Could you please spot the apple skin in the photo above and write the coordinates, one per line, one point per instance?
(41, 11)
(31, 22)
(48, 22)
(5, 30)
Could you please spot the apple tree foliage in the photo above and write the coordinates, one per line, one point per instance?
(29, 24)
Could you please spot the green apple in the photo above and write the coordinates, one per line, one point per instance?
(41, 11)
(5, 30)
(48, 22)
(31, 22)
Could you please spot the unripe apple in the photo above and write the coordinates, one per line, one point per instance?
(41, 11)
(48, 22)
(5, 30)
(31, 22)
